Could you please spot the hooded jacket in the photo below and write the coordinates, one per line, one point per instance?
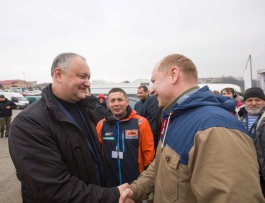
(52, 157)
(135, 142)
(204, 155)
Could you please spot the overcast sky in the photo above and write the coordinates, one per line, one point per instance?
(124, 39)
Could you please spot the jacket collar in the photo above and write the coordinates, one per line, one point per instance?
(110, 118)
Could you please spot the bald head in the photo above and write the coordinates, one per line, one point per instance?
(172, 76)
(185, 65)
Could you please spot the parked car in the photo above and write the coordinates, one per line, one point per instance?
(17, 98)
(132, 101)
(32, 98)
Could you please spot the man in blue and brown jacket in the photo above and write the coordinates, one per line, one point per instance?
(205, 154)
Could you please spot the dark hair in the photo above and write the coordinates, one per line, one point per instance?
(232, 90)
(117, 89)
(144, 87)
(254, 92)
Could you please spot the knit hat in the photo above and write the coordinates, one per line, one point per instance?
(2, 96)
(102, 96)
(254, 92)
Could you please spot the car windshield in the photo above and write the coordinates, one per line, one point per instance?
(132, 101)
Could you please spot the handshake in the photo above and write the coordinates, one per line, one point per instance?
(125, 194)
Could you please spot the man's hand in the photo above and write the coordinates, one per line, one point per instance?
(123, 187)
(126, 196)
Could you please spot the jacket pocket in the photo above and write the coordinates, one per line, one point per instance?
(167, 176)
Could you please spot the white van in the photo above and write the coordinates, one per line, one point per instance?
(17, 98)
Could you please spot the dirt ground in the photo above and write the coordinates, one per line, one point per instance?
(9, 184)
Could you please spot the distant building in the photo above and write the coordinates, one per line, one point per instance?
(103, 87)
(261, 79)
(33, 83)
(14, 84)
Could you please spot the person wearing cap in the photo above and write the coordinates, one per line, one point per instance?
(249, 114)
(6, 107)
(253, 118)
(102, 101)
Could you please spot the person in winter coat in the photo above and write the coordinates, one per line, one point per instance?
(205, 154)
(96, 111)
(252, 117)
(147, 106)
(126, 138)
(142, 94)
(53, 144)
(249, 114)
(6, 107)
(232, 93)
(102, 101)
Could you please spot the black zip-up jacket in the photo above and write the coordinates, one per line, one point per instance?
(4, 112)
(130, 135)
(52, 157)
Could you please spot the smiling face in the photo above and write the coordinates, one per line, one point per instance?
(171, 77)
(118, 103)
(71, 83)
(254, 105)
(141, 94)
(161, 84)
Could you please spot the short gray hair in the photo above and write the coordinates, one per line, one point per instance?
(62, 60)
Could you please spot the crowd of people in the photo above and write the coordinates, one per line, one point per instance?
(180, 143)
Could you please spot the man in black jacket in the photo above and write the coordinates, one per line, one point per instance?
(6, 107)
(148, 108)
(96, 111)
(53, 144)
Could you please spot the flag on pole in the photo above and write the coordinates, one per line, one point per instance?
(248, 74)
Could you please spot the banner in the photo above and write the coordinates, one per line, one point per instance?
(248, 74)
(261, 79)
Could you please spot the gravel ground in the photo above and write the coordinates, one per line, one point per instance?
(10, 186)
